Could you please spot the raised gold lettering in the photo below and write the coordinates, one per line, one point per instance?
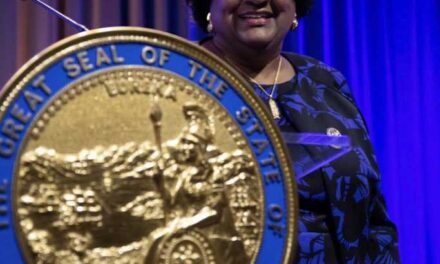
(220, 90)
(195, 67)
(115, 56)
(260, 144)
(111, 88)
(243, 115)
(72, 68)
(164, 57)
(272, 177)
(12, 129)
(7, 147)
(3, 210)
(20, 114)
(149, 55)
(255, 127)
(208, 78)
(84, 61)
(269, 161)
(3, 186)
(102, 57)
(275, 212)
(39, 83)
(32, 100)
(277, 229)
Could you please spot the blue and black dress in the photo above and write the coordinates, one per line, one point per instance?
(343, 218)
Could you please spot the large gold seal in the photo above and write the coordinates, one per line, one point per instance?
(127, 145)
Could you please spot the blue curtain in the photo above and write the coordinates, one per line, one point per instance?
(389, 51)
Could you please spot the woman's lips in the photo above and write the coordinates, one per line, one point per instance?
(256, 19)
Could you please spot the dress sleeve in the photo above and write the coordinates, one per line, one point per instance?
(382, 233)
(382, 238)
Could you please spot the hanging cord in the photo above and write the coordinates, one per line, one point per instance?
(67, 19)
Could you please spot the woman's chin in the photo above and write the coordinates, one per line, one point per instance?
(257, 41)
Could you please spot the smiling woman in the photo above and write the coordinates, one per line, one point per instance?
(343, 218)
(201, 8)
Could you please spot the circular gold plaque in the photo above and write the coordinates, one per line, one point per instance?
(129, 145)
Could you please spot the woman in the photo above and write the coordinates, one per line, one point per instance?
(342, 213)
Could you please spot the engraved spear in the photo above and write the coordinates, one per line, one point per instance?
(156, 119)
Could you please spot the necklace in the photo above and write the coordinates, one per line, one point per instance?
(272, 103)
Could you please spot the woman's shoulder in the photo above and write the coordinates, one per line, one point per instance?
(315, 69)
(319, 72)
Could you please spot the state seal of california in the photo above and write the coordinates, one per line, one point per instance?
(129, 145)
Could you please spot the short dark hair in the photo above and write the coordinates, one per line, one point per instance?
(200, 9)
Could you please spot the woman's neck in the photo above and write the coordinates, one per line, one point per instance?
(260, 65)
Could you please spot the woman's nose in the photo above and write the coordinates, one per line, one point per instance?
(257, 2)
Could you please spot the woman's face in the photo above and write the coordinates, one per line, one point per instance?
(254, 23)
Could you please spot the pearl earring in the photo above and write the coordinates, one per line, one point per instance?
(209, 27)
(294, 24)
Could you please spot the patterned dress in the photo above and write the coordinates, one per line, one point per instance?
(343, 218)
